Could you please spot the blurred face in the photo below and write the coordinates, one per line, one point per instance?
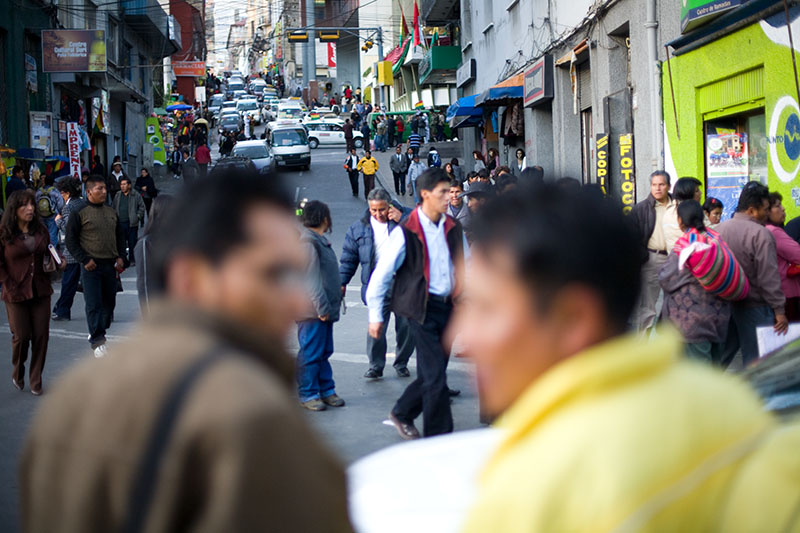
(761, 213)
(777, 214)
(20, 174)
(25, 212)
(368, 154)
(455, 201)
(125, 186)
(698, 195)
(398, 150)
(715, 215)
(143, 173)
(438, 198)
(96, 192)
(520, 154)
(259, 284)
(379, 210)
(659, 188)
(448, 168)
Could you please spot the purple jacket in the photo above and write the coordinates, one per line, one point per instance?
(788, 254)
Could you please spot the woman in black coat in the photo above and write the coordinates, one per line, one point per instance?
(147, 188)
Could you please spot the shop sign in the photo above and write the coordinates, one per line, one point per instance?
(628, 177)
(42, 131)
(695, 13)
(189, 69)
(73, 51)
(601, 151)
(31, 80)
(465, 73)
(74, 149)
(538, 82)
(783, 139)
(153, 129)
(727, 168)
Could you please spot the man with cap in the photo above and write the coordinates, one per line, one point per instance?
(113, 179)
(476, 197)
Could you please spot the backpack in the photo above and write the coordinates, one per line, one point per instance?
(44, 204)
(436, 161)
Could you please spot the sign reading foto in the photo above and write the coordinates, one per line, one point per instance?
(627, 182)
(73, 50)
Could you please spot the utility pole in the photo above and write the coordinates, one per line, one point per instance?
(309, 49)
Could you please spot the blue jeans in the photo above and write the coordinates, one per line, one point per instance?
(52, 229)
(417, 199)
(314, 372)
(742, 332)
(69, 285)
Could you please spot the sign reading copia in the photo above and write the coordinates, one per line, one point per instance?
(73, 51)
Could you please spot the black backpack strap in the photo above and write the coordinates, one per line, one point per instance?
(147, 473)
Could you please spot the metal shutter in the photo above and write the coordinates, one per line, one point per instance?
(584, 86)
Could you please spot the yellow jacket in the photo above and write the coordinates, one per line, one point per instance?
(368, 166)
(630, 436)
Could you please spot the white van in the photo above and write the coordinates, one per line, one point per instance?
(290, 146)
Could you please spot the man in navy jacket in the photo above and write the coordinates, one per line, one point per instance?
(362, 246)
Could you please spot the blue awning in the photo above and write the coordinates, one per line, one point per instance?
(463, 113)
(503, 93)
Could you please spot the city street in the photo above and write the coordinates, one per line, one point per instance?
(352, 431)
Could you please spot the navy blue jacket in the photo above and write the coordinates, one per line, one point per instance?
(359, 249)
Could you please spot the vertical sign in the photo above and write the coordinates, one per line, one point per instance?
(626, 170)
(602, 161)
(74, 146)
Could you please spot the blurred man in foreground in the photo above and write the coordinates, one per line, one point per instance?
(192, 425)
(603, 430)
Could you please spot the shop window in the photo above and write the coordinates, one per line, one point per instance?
(113, 41)
(736, 152)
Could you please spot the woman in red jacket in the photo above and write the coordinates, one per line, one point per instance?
(25, 263)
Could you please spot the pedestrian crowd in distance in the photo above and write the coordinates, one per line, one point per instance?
(538, 281)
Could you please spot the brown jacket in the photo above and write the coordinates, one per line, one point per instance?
(754, 247)
(240, 458)
(22, 272)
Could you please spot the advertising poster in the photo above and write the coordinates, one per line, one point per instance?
(73, 51)
(153, 130)
(42, 131)
(74, 149)
(727, 168)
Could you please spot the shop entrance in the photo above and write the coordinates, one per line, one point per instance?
(735, 149)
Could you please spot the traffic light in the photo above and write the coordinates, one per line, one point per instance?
(328, 35)
(367, 45)
(298, 37)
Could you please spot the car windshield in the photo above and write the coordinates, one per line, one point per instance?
(216, 100)
(247, 106)
(292, 112)
(235, 86)
(251, 152)
(289, 138)
(228, 104)
(230, 119)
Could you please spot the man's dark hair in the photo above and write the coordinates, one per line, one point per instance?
(663, 173)
(533, 175)
(505, 180)
(210, 221)
(125, 178)
(535, 225)
(94, 178)
(691, 214)
(456, 183)
(97, 159)
(428, 180)
(483, 174)
(315, 214)
(753, 195)
(685, 189)
(454, 161)
(16, 169)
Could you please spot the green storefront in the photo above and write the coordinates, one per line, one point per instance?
(735, 114)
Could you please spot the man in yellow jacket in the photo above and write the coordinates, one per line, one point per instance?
(368, 166)
(604, 431)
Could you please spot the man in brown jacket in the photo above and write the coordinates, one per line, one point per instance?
(192, 425)
(754, 248)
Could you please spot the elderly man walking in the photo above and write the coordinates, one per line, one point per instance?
(364, 244)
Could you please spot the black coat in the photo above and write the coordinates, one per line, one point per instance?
(148, 182)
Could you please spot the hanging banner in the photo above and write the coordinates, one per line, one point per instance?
(727, 168)
(602, 161)
(153, 130)
(627, 182)
(74, 147)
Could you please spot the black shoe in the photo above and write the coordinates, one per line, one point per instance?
(453, 392)
(373, 374)
(403, 373)
(57, 318)
(18, 384)
(406, 430)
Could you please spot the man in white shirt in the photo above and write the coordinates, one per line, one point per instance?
(350, 165)
(364, 244)
(426, 262)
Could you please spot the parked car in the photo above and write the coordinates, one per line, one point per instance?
(256, 151)
(289, 146)
(230, 123)
(329, 132)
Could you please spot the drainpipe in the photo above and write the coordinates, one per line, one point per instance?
(656, 111)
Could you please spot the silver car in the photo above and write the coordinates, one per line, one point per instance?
(256, 151)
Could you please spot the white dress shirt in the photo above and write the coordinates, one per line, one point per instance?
(441, 269)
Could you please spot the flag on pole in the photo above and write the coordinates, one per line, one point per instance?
(417, 30)
(403, 25)
(435, 37)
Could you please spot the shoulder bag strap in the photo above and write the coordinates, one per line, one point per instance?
(147, 473)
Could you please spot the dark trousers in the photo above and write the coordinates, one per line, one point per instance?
(100, 294)
(428, 393)
(369, 183)
(69, 285)
(376, 348)
(390, 142)
(30, 325)
(131, 233)
(147, 203)
(742, 332)
(350, 144)
(399, 182)
(314, 372)
(352, 175)
(203, 170)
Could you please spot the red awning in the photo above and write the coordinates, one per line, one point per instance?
(396, 52)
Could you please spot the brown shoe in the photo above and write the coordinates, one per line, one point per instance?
(333, 400)
(36, 392)
(314, 405)
(406, 431)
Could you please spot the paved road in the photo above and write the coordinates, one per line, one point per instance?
(353, 431)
